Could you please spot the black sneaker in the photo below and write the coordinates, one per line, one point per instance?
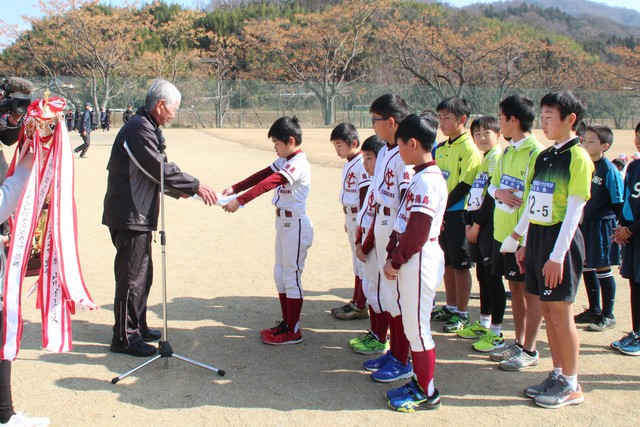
(602, 324)
(587, 316)
(139, 349)
(151, 335)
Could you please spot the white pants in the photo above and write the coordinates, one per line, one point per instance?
(388, 289)
(370, 279)
(418, 280)
(351, 227)
(293, 239)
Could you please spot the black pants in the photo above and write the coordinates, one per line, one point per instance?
(6, 405)
(85, 146)
(133, 270)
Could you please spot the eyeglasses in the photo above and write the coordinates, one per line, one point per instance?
(376, 119)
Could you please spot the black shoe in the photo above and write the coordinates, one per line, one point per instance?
(138, 349)
(587, 316)
(151, 335)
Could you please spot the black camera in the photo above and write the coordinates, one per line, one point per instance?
(9, 104)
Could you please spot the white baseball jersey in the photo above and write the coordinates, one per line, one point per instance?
(354, 177)
(391, 177)
(426, 193)
(293, 196)
(368, 211)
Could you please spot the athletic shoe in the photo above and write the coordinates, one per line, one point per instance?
(559, 395)
(283, 338)
(587, 316)
(392, 371)
(441, 313)
(340, 309)
(602, 324)
(473, 331)
(371, 345)
(506, 353)
(520, 362)
(410, 397)
(19, 419)
(489, 342)
(280, 327)
(138, 349)
(377, 363)
(353, 313)
(543, 387)
(361, 337)
(632, 348)
(457, 322)
(624, 340)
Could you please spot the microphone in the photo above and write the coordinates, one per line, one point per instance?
(16, 84)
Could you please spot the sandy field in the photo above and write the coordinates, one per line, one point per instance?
(221, 294)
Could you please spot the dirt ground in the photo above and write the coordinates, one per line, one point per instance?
(221, 293)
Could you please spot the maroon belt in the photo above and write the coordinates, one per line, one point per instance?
(352, 209)
(384, 211)
(281, 213)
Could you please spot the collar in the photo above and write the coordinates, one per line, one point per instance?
(462, 137)
(292, 155)
(144, 111)
(420, 168)
(563, 146)
(354, 156)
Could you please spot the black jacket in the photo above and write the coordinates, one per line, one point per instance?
(133, 184)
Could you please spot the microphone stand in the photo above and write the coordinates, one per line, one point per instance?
(164, 348)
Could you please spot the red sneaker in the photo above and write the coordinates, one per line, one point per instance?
(281, 326)
(283, 338)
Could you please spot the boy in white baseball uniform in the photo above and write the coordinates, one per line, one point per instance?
(416, 261)
(389, 183)
(355, 183)
(290, 176)
(368, 342)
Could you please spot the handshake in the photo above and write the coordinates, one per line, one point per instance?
(226, 199)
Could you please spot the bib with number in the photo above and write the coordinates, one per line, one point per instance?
(540, 201)
(509, 182)
(477, 192)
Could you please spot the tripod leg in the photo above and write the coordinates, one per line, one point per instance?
(202, 365)
(137, 368)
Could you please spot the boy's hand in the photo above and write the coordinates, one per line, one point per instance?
(359, 254)
(520, 257)
(207, 194)
(509, 245)
(228, 192)
(621, 235)
(552, 272)
(506, 196)
(389, 272)
(472, 233)
(232, 206)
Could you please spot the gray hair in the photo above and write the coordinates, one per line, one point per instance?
(159, 90)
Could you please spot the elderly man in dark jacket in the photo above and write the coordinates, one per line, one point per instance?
(84, 127)
(131, 207)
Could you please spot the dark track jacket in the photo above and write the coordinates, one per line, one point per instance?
(133, 184)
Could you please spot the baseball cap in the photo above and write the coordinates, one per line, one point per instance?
(87, 104)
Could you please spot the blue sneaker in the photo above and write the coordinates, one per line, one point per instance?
(411, 398)
(624, 340)
(392, 370)
(394, 393)
(632, 348)
(377, 363)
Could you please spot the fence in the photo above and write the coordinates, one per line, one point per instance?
(256, 104)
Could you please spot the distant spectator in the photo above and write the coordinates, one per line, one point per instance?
(71, 120)
(127, 114)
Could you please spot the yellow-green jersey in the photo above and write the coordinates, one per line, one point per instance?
(485, 171)
(458, 160)
(513, 171)
(558, 173)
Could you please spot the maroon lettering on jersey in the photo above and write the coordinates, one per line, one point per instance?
(388, 178)
(351, 179)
